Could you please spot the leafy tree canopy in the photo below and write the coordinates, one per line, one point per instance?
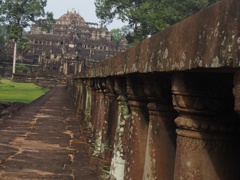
(2, 51)
(117, 34)
(146, 17)
(23, 45)
(19, 14)
(3, 35)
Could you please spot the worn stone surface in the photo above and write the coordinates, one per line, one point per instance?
(42, 141)
(161, 142)
(204, 143)
(208, 128)
(188, 67)
(209, 39)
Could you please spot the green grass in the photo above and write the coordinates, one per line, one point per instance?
(19, 92)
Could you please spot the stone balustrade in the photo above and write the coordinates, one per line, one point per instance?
(169, 107)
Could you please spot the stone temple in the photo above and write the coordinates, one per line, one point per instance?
(71, 45)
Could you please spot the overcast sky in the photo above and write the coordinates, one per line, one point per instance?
(86, 9)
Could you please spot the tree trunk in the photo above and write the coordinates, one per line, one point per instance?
(14, 57)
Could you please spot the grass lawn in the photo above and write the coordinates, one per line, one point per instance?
(19, 92)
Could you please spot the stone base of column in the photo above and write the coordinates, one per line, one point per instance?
(206, 156)
(208, 128)
(161, 143)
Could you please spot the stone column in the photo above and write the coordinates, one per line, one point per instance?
(137, 128)
(97, 130)
(87, 103)
(89, 116)
(94, 116)
(79, 85)
(118, 162)
(81, 98)
(110, 113)
(99, 118)
(161, 141)
(65, 66)
(208, 138)
(75, 67)
(109, 127)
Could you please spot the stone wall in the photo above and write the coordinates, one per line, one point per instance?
(5, 69)
(167, 108)
(39, 79)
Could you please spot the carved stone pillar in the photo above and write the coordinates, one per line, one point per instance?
(137, 128)
(208, 139)
(89, 117)
(99, 118)
(81, 97)
(111, 114)
(78, 85)
(118, 163)
(86, 124)
(109, 127)
(161, 141)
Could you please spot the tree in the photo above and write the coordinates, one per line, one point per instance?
(23, 46)
(146, 17)
(2, 46)
(19, 14)
(3, 35)
(117, 34)
(126, 10)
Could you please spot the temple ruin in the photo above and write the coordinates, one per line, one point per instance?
(71, 45)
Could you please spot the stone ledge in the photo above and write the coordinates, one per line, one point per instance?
(207, 40)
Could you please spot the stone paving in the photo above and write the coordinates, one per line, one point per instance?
(42, 141)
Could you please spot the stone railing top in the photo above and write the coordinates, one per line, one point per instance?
(209, 39)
